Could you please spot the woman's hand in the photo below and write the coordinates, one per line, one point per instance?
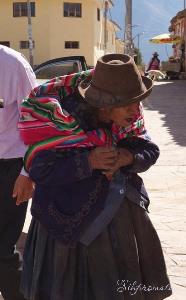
(124, 158)
(23, 189)
(103, 158)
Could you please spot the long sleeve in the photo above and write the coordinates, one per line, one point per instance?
(145, 154)
(16, 81)
(54, 168)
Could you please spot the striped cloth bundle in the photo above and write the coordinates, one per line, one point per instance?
(44, 124)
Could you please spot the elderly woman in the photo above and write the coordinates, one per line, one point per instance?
(90, 237)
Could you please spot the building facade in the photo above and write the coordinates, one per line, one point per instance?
(178, 27)
(59, 28)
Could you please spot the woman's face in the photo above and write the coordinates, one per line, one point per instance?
(122, 116)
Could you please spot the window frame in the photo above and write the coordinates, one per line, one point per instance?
(5, 43)
(72, 45)
(98, 14)
(21, 10)
(27, 44)
(71, 10)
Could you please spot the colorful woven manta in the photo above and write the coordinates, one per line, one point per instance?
(44, 124)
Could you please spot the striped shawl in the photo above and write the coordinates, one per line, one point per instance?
(44, 124)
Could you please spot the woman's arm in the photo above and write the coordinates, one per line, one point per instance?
(55, 168)
(145, 153)
(51, 167)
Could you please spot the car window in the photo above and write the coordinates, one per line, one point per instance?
(55, 69)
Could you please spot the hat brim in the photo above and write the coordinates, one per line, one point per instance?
(85, 90)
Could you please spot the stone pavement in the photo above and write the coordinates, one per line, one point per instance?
(165, 120)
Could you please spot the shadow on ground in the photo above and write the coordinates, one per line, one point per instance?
(169, 99)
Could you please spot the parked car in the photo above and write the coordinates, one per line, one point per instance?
(60, 66)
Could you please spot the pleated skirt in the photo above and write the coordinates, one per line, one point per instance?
(124, 262)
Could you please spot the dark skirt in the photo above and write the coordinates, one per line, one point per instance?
(123, 262)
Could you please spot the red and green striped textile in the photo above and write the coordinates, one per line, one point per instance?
(44, 124)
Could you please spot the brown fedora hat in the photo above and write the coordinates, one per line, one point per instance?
(116, 82)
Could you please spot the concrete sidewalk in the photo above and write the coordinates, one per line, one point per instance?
(165, 119)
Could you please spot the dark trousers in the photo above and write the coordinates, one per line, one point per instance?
(12, 219)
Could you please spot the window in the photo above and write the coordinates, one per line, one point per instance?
(58, 68)
(72, 10)
(5, 43)
(20, 9)
(25, 44)
(98, 14)
(71, 45)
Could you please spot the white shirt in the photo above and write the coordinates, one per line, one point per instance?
(17, 79)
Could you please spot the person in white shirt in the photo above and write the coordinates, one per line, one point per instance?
(16, 81)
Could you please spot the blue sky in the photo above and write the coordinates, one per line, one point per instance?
(151, 17)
